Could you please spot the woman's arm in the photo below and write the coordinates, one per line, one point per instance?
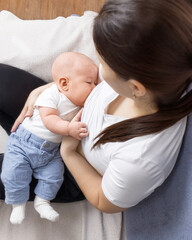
(27, 110)
(88, 179)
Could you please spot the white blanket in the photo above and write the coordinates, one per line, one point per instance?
(32, 45)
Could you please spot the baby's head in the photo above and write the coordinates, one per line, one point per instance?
(75, 75)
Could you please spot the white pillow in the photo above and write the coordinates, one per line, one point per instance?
(3, 139)
(33, 45)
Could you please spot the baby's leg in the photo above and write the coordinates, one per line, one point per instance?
(50, 180)
(45, 210)
(16, 176)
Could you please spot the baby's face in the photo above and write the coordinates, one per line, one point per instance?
(75, 75)
(82, 82)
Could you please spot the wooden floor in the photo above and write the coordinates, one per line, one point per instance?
(48, 9)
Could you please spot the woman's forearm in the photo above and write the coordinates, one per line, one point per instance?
(39, 90)
(89, 181)
(85, 175)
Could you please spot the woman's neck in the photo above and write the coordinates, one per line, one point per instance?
(130, 108)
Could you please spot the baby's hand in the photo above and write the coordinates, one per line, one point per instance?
(77, 130)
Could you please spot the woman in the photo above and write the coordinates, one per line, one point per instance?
(136, 117)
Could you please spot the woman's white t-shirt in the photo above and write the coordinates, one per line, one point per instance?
(132, 169)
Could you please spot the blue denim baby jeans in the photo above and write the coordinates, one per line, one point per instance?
(27, 155)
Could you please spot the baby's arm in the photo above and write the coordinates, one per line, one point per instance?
(55, 124)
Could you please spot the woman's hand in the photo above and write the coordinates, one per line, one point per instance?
(27, 110)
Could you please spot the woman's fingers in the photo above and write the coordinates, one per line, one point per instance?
(26, 112)
(16, 124)
(29, 112)
(19, 120)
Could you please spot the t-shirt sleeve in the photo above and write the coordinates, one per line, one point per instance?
(126, 183)
(48, 98)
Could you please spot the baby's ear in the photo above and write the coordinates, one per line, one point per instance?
(64, 84)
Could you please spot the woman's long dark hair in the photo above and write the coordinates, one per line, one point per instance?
(149, 41)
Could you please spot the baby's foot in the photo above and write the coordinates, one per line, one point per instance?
(18, 213)
(45, 210)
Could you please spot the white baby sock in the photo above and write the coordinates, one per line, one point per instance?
(18, 213)
(45, 210)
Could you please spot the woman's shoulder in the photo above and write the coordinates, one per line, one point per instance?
(137, 167)
(160, 149)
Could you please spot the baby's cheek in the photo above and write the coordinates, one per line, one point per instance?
(87, 92)
(85, 95)
(98, 80)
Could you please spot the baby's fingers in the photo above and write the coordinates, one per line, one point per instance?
(82, 125)
(83, 133)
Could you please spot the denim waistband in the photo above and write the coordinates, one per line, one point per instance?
(35, 140)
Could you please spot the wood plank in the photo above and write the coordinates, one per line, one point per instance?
(48, 9)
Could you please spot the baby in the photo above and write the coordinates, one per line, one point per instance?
(34, 148)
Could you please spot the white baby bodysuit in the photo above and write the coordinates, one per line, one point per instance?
(51, 97)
